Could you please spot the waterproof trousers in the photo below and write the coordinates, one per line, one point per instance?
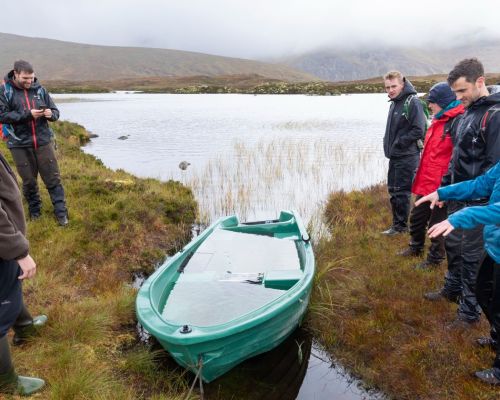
(422, 217)
(399, 180)
(29, 163)
(488, 296)
(464, 250)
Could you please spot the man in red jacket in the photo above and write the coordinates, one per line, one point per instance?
(434, 163)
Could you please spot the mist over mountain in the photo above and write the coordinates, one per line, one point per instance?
(59, 60)
(363, 63)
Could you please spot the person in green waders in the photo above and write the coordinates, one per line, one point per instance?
(15, 265)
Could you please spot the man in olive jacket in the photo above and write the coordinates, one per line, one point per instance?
(15, 265)
(405, 129)
(26, 107)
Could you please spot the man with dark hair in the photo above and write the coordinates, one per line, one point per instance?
(476, 149)
(434, 162)
(15, 265)
(27, 107)
(405, 128)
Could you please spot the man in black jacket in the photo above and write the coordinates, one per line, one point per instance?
(27, 107)
(476, 149)
(405, 129)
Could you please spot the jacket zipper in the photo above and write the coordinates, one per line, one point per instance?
(33, 128)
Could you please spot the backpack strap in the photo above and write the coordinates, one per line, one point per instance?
(7, 90)
(486, 118)
(450, 125)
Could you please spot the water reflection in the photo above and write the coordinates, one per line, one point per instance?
(297, 369)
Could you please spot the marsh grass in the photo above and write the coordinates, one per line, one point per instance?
(378, 324)
(119, 224)
(257, 180)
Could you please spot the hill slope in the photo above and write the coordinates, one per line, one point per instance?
(58, 60)
(342, 65)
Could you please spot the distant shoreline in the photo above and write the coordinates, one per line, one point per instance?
(245, 84)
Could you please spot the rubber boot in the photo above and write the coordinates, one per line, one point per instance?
(10, 382)
(26, 326)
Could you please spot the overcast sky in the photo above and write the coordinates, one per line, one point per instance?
(253, 29)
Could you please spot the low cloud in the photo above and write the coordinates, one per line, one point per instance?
(254, 29)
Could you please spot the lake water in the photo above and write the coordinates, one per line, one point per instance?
(250, 155)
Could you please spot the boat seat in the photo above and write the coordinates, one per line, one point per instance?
(282, 279)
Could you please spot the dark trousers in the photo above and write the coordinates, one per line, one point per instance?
(399, 180)
(488, 296)
(29, 163)
(13, 312)
(464, 250)
(422, 217)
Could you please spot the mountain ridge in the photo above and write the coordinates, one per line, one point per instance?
(60, 60)
(364, 63)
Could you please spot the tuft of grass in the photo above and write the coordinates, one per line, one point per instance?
(378, 324)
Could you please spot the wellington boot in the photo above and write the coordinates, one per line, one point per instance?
(23, 333)
(10, 382)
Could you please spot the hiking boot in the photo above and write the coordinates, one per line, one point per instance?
(426, 266)
(22, 334)
(461, 324)
(62, 220)
(392, 231)
(488, 376)
(410, 252)
(441, 294)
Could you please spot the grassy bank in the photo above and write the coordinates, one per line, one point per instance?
(368, 309)
(119, 225)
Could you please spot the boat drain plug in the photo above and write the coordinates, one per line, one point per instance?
(185, 329)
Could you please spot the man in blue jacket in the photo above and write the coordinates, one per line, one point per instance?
(27, 108)
(488, 278)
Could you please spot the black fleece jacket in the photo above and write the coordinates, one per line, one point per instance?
(402, 133)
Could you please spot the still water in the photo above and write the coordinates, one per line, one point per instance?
(250, 155)
(253, 156)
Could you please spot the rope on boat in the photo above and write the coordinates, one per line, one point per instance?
(198, 376)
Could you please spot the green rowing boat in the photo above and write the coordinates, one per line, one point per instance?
(235, 291)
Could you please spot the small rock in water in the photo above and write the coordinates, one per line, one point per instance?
(123, 137)
(92, 135)
(183, 165)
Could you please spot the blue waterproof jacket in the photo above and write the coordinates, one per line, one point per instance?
(487, 185)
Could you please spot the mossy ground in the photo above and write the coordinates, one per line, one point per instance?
(368, 309)
(119, 225)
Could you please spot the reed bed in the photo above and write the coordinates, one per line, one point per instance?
(256, 180)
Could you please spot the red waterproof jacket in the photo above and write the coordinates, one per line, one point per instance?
(436, 155)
